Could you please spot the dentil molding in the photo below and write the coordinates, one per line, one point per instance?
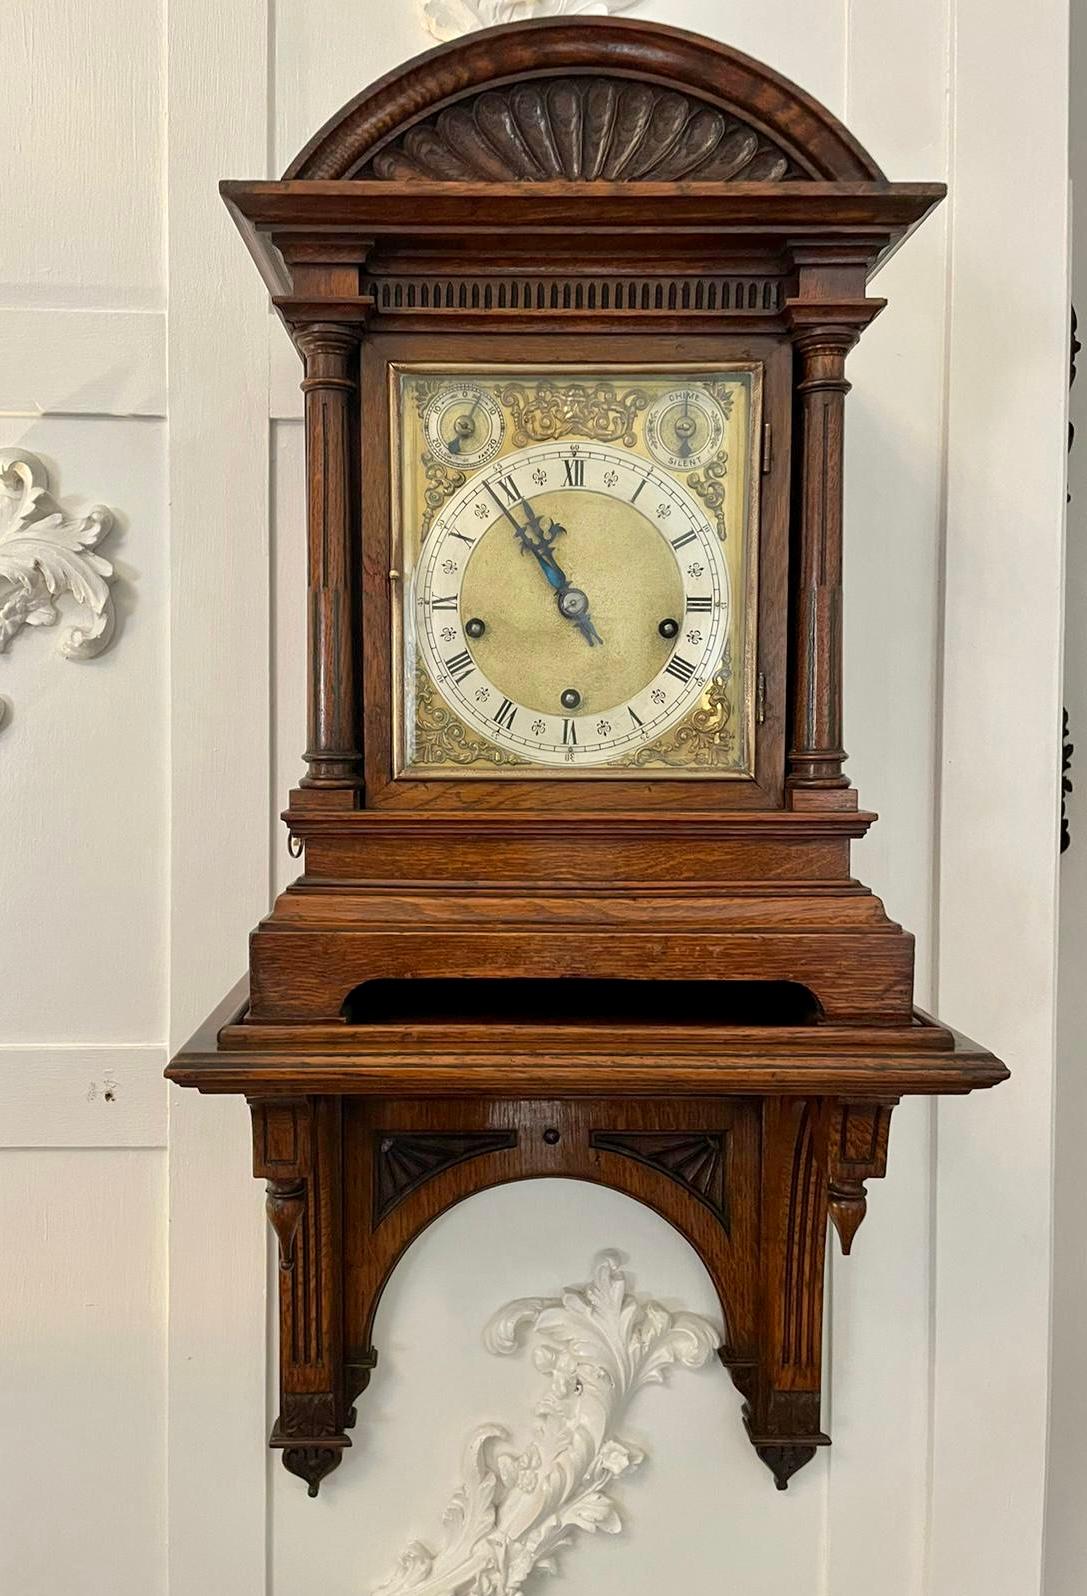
(449, 19)
(45, 552)
(523, 1499)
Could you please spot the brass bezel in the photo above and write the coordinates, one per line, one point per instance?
(400, 568)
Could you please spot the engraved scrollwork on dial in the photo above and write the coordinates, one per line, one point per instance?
(442, 481)
(546, 411)
(705, 738)
(709, 484)
(442, 738)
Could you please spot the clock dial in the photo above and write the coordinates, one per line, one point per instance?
(684, 429)
(528, 618)
(464, 425)
(577, 551)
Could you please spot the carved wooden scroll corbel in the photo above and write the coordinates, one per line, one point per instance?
(856, 1152)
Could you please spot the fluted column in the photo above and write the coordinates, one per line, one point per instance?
(823, 335)
(333, 753)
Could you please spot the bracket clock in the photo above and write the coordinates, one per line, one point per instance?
(573, 302)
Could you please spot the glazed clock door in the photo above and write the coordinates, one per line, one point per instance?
(576, 551)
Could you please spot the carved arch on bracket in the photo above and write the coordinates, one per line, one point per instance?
(606, 97)
(344, 1223)
(445, 1193)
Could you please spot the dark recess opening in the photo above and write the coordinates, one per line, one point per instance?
(571, 1000)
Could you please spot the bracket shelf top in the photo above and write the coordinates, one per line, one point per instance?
(228, 1056)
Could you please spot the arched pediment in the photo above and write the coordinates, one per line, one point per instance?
(603, 99)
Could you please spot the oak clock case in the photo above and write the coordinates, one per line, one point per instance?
(578, 553)
(573, 303)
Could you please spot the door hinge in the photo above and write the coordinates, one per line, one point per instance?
(760, 700)
(767, 448)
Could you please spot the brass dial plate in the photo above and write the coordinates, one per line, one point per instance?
(572, 600)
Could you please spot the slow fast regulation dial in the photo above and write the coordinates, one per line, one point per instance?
(464, 425)
(571, 602)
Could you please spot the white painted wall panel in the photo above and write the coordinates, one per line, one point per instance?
(80, 1096)
(84, 870)
(1066, 1521)
(217, 87)
(82, 1411)
(805, 39)
(83, 362)
(999, 772)
(324, 54)
(83, 786)
(82, 134)
(879, 1408)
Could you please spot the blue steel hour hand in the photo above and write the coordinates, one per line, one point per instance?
(537, 540)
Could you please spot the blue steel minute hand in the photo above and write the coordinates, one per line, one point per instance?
(573, 603)
(535, 539)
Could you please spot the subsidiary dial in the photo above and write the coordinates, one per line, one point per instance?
(464, 425)
(684, 429)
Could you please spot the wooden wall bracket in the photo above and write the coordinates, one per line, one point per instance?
(744, 1179)
(746, 1158)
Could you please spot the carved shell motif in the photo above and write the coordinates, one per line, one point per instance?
(581, 129)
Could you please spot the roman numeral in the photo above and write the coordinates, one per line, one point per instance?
(699, 606)
(688, 537)
(679, 667)
(504, 714)
(637, 721)
(449, 603)
(569, 732)
(461, 665)
(575, 471)
(462, 537)
(637, 490)
(509, 488)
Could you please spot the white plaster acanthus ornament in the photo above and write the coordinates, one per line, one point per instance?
(523, 1499)
(44, 552)
(449, 19)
